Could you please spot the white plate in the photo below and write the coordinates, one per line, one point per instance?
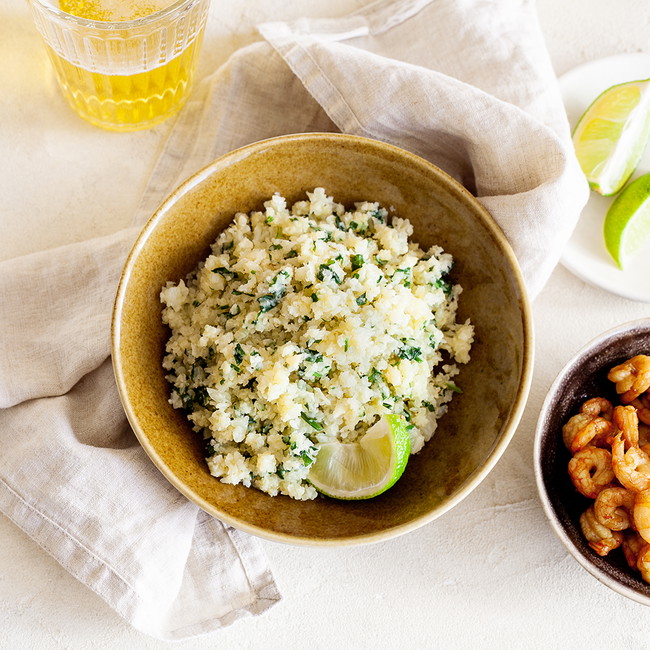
(585, 255)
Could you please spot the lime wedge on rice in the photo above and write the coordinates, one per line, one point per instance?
(611, 135)
(363, 469)
(627, 222)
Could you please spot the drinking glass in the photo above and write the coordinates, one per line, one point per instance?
(124, 75)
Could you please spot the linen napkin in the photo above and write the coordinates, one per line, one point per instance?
(466, 84)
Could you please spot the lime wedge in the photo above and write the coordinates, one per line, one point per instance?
(363, 469)
(627, 222)
(611, 135)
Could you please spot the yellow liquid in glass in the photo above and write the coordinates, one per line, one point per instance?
(112, 10)
(131, 101)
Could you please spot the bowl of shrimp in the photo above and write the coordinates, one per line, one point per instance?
(592, 458)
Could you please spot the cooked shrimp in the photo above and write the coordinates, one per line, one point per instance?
(600, 538)
(583, 429)
(642, 406)
(613, 508)
(632, 467)
(643, 562)
(632, 545)
(626, 421)
(642, 514)
(598, 406)
(631, 377)
(591, 471)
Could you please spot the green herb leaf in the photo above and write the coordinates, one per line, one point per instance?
(311, 421)
(278, 291)
(268, 301)
(227, 273)
(314, 356)
(357, 262)
(201, 396)
(410, 352)
(378, 214)
(446, 287)
(324, 270)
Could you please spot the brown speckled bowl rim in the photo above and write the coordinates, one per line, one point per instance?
(507, 432)
(611, 571)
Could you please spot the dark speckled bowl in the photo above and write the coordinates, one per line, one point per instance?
(481, 421)
(585, 376)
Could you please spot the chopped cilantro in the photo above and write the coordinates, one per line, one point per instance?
(325, 270)
(451, 386)
(222, 270)
(410, 352)
(277, 291)
(311, 421)
(446, 287)
(314, 356)
(201, 396)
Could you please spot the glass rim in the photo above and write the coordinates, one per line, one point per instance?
(114, 24)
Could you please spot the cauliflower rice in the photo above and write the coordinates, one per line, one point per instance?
(307, 324)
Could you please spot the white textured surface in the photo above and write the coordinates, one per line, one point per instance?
(490, 573)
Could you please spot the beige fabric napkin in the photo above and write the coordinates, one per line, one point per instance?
(464, 83)
(73, 475)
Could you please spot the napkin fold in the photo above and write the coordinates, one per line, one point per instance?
(73, 475)
(466, 84)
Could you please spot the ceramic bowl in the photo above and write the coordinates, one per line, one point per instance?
(481, 421)
(583, 377)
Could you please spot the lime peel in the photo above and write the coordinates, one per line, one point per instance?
(627, 222)
(611, 135)
(366, 468)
